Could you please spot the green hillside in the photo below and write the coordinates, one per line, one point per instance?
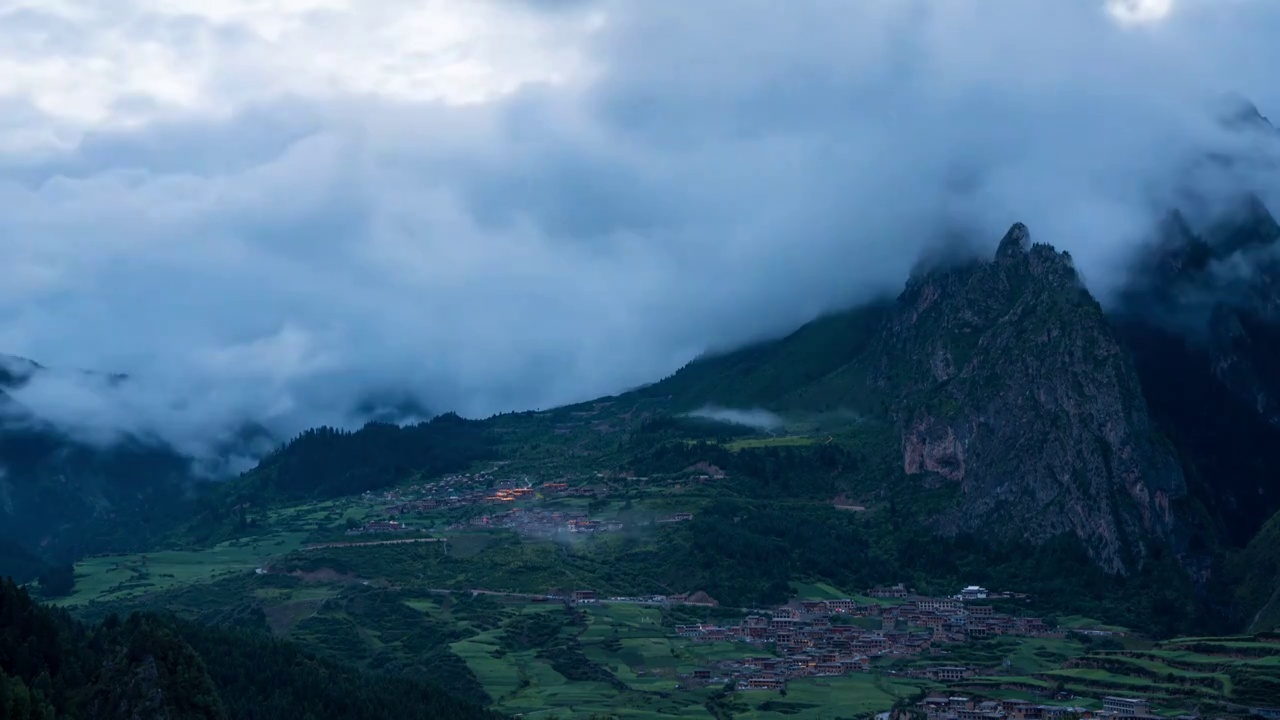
(146, 666)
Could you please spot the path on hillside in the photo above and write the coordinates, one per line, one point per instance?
(373, 542)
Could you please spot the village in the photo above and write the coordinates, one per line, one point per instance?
(481, 489)
(837, 637)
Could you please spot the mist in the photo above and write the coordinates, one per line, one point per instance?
(755, 418)
(278, 216)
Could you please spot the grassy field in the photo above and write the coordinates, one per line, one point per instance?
(119, 577)
(1078, 622)
(828, 698)
(781, 441)
(1171, 676)
(825, 591)
(116, 577)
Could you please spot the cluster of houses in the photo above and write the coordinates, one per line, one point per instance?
(534, 522)
(463, 490)
(377, 527)
(940, 707)
(772, 673)
(824, 636)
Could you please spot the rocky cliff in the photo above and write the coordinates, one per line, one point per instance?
(1201, 317)
(1001, 379)
(1010, 382)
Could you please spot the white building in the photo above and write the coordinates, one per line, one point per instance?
(973, 592)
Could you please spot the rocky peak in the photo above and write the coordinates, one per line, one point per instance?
(1011, 384)
(1236, 112)
(1252, 227)
(1220, 290)
(1015, 243)
(16, 371)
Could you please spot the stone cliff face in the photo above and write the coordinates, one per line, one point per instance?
(1011, 383)
(1201, 316)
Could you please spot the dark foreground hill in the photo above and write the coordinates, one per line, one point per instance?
(148, 668)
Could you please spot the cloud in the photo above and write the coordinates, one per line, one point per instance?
(755, 418)
(273, 211)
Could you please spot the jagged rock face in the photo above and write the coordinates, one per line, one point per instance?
(1201, 316)
(1222, 292)
(1011, 383)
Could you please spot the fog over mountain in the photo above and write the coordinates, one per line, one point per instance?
(274, 215)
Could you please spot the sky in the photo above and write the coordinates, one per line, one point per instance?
(270, 211)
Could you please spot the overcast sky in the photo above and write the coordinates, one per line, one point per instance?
(268, 209)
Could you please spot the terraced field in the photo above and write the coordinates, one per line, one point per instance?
(1205, 674)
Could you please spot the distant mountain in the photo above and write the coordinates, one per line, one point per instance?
(1202, 319)
(328, 462)
(61, 497)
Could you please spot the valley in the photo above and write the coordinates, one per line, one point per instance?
(778, 531)
(537, 593)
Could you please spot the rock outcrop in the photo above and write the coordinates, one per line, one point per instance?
(1011, 383)
(1201, 317)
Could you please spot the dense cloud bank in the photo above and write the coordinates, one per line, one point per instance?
(274, 215)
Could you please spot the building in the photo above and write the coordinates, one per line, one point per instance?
(378, 526)
(1126, 706)
(583, 596)
(948, 673)
(887, 593)
(938, 605)
(764, 681)
(973, 592)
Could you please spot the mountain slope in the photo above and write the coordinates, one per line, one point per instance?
(1258, 587)
(1010, 381)
(1004, 380)
(149, 667)
(1201, 317)
(61, 497)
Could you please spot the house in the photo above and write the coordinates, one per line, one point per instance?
(973, 592)
(764, 681)
(583, 596)
(938, 605)
(884, 593)
(378, 526)
(948, 673)
(1126, 706)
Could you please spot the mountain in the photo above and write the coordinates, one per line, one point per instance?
(328, 462)
(1257, 578)
(1201, 317)
(61, 496)
(1001, 379)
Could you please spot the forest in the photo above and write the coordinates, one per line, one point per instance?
(52, 665)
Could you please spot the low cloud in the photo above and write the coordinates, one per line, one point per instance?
(755, 418)
(273, 215)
